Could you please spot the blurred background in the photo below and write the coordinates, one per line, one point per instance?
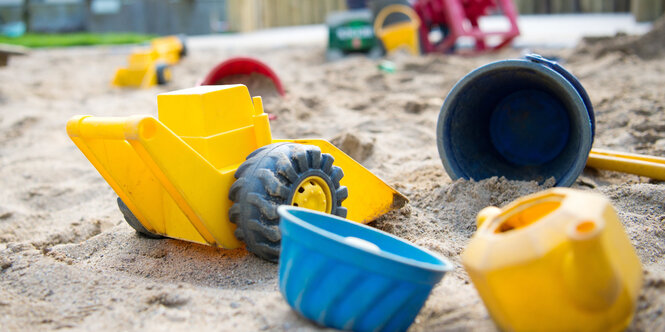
(161, 17)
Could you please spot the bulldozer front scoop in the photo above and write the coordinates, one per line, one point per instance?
(369, 197)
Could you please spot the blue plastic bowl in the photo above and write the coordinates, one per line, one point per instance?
(349, 276)
(525, 119)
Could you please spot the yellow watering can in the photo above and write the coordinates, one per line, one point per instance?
(558, 260)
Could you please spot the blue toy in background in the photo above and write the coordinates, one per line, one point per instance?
(13, 29)
(349, 276)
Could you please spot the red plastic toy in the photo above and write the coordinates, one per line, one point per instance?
(242, 66)
(459, 18)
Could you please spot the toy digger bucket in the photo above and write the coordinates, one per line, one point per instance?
(178, 186)
(242, 66)
(167, 185)
(144, 69)
(398, 35)
(155, 74)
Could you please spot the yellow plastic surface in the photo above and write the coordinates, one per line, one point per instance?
(141, 71)
(398, 35)
(369, 197)
(168, 48)
(313, 193)
(643, 165)
(177, 188)
(174, 173)
(142, 63)
(558, 260)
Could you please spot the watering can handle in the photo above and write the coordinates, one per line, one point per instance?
(392, 9)
(537, 58)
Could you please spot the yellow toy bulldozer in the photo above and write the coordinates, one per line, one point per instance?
(150, 66)
(209, 168)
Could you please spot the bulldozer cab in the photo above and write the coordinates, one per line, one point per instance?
(211, 119)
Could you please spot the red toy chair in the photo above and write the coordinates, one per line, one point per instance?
(459, 18)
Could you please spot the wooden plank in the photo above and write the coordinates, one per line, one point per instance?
(231, 12)
(526, 7)
(251, 15)
(607, 6)
(274, 13)
(302, 11)
(330, 6)
(647, 10)
(596, 6)
(320, 9)
(10, 50)
(296, 17)
(563, 6)
(274, 9)
(282, 12)
(241, 15)
(266, 16)
(308, 12)
(621, 6)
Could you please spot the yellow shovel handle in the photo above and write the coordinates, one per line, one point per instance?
(643, 165)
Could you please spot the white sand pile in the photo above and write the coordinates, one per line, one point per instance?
(68, 259)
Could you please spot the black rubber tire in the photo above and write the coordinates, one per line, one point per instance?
(135, 223)
(160, 71)
(269, 178)
(183, 41)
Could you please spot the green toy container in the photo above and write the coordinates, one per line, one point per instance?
(351, 32)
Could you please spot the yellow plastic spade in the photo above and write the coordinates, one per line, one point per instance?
(176, 173)
(643, 165)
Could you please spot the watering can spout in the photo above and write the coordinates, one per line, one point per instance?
(591, 280)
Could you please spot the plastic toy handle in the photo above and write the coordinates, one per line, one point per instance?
(536, 58)
(643, 165)
(392, 9)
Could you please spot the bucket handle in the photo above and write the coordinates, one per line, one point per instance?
(536, 58)
(394, 9)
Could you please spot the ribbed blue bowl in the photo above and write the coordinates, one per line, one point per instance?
(349, 276)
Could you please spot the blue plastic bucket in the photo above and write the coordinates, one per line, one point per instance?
(349, 276)
(524, 119)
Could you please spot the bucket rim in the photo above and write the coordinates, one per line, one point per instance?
(542, 66)
(442, 266)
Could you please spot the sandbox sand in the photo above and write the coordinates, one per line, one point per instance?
(68, 260)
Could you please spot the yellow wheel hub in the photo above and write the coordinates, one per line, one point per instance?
(313, 193)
